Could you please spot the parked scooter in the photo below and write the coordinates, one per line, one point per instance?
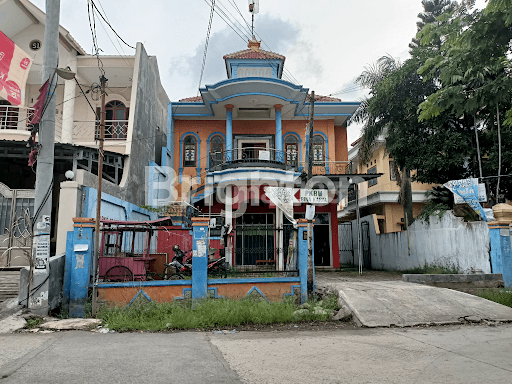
(183, 263)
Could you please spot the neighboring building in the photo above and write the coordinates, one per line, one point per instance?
(248, 131)
(136, 122)
(380, 196)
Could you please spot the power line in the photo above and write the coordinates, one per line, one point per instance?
(112, 28)
(206, 44)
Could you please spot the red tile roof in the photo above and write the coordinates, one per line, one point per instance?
(193, 99)
(323, 98)
(252, 54)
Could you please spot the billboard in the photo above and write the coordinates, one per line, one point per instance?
(467, 189)
(14, 68)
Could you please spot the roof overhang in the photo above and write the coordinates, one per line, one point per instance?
(259, 92)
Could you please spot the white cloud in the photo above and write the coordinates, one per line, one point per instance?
(326, 42)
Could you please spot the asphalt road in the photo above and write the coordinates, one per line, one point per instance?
(448, 354)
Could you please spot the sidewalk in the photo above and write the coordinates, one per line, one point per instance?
(380, 299)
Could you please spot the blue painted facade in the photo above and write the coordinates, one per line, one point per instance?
(501, 253)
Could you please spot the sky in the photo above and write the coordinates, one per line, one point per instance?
(327, 43)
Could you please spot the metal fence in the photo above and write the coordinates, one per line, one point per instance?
(13, 228)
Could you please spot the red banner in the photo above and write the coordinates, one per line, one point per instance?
(14, 68)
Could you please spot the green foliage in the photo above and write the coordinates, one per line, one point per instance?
(151, 209)
(205, 314)
(433, 269)
(33, 323)
(432, 209)
(502, 296)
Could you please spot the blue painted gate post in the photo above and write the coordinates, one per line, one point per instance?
(200, 257)
(501, 250)
(81, 263)
(302, 253)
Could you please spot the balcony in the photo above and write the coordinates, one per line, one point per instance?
(87, 131)
(12, 117)
(256, 157)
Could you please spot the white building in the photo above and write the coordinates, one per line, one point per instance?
(136, 121)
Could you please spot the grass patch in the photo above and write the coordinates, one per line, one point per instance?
(33, 323)
(502, 296)
(211, 314)
(433, 269)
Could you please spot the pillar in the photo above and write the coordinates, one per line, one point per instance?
(81, 264)
(501, 247)
(69, 198)
(68, 108)
(302, 254)
(279, 134)
(200, 257)
(229, 131)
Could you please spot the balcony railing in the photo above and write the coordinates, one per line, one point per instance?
(12, 117)
(270, 157)
(89, 130)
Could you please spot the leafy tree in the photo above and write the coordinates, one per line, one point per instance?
(431, 10)
(474, 75)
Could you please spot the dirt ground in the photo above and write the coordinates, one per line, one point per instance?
(322, 277)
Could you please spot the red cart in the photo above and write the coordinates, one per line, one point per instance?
(125, 252)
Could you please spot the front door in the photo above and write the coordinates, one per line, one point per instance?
(321, 242)
(251, 151)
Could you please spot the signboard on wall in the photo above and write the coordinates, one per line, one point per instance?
(14, 68)
(314, 196)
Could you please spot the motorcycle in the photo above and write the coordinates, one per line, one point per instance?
(183, 264)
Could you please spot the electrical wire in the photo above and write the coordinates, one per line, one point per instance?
(206, 44)
(112, 28)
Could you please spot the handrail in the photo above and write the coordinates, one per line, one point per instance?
(11, 116)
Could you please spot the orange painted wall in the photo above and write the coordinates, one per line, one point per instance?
(166, 294)
(123, 296)
(340, 135)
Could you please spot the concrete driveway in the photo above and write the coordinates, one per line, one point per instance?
(382, 300)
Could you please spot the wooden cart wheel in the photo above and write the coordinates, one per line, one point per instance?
(119, 273)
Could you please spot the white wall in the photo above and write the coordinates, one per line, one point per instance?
(447, 242)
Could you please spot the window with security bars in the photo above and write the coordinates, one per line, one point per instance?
(189, 149)
(318, 150)
(372, 171)
(216, 150)
(291, 147)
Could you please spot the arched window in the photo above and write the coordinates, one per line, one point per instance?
(8, 115)
(116, 120)
(318, 150)
(240, 72)
(190, 150)
(216, 150)
(269, 73)
(291, 147)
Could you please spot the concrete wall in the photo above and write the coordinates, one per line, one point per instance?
(56, 281)
(148, 136)
(447, 242)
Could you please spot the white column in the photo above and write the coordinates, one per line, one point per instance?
(68, 209)
(228, 206)
(68, 108)
(280, 238)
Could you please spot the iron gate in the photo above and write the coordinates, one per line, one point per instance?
(13, 230)
(365, 239)
(346, 243)
(256, 243)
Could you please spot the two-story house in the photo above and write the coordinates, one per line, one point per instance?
(250, 131)
(380, 196)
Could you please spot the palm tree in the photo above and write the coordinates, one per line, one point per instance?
(374, 125)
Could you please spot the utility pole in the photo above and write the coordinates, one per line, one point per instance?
(101, 139)
(310, 175)
(38, 300)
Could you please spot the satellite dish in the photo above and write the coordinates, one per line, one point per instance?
(254, 6)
